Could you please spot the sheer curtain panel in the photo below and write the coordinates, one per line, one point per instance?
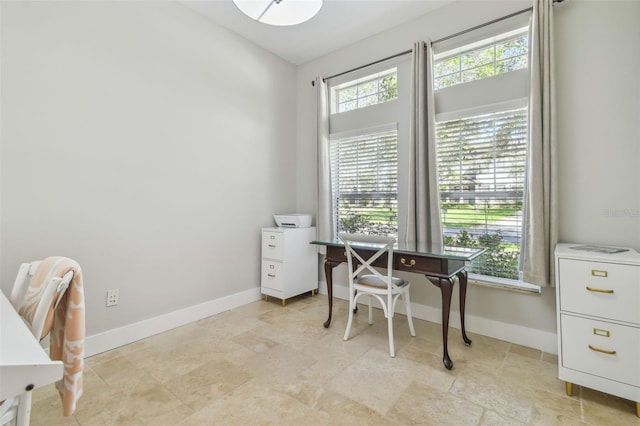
(540, 226)
(423, 225)
(324, 214)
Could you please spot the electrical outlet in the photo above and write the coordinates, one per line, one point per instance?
(112, 297)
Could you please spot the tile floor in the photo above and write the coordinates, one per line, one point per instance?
(264, 364)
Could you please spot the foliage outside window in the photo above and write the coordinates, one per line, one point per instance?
(372, 90)
(481, 168)
(485, 61)
(365, 183)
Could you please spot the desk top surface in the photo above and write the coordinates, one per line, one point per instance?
(22, 360)
(438, 251)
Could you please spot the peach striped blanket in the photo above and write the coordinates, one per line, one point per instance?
(65, 322)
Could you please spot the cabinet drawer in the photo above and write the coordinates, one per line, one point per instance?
(582, 340)
(606, 290)
(272, 245)
(272, 275)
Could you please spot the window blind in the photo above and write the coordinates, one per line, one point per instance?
(481, 168)
(365, 183)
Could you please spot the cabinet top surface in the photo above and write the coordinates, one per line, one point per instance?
(286, 229)
(569, 251)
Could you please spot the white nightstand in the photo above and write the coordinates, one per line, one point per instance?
(289, 262)
(598, 305)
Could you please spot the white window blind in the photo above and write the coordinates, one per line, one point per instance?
(365, 183)
(481, 166)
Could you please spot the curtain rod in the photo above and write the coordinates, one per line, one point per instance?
(436, 41)
(367, 65)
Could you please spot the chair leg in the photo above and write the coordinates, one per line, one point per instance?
(392, 347)
(412, 330)
(370, 311)
(350, 320)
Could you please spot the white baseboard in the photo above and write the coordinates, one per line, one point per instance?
(512, 333)
(121, 336)
(111, 339)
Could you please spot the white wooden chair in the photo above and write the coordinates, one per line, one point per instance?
(17, 410)
(366, 280)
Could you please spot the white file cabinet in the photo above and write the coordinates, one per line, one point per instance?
(289, 262)
(598, 304)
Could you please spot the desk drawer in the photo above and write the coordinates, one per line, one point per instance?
(606, 290)
(417, 264)
(272, 275)
(583, 341)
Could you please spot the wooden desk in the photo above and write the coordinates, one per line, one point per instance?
(440, 265)
(24, 365)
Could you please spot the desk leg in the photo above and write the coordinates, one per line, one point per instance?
(328, 275)
(462, 278)
(446, 288)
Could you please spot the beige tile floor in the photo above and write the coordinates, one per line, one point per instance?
(267, 364)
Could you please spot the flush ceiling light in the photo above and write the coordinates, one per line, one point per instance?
(279, 12)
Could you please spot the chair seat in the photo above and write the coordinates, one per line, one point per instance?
(375, 281)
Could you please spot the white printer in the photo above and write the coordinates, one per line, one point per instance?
(293, 220)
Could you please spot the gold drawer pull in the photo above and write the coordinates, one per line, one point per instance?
(412, 262)
(600, 290)
(604, 351)
(271, 275)
(599, 273)
(272, 245)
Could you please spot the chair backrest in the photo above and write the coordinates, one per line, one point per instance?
(370, 242)
(37, 305)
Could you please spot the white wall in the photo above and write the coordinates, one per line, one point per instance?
(598, 62)
(598, 85)
(146, 143)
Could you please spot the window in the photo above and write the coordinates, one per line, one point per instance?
(370, 90)
(482, 135)
(365, 183)
(490, 58)
(481, 164)
(368, 129)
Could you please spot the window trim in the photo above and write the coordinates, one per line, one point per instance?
(504, 284)
(387, 127)
(482, 110)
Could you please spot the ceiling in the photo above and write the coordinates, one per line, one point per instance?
(338, 24)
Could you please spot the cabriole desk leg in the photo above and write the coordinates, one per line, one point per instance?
(328, 275)
(462, 279)
(446, 288)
